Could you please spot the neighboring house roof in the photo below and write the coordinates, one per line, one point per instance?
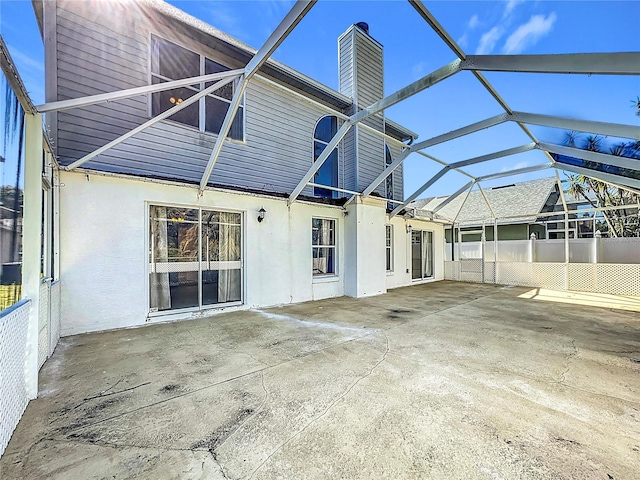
(525, 198)
(243, 53)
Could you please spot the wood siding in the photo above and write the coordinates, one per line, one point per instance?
(97, 54)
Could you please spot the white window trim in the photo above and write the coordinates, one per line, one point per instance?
(200, 310)
(390, 248)
(326, 277)
(201, 102)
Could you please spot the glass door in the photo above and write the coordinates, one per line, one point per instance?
(421, 254)
(416, 254)
(195, 258)
(221, 257)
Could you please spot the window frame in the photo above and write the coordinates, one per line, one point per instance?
(336, 151)
(156, 314)
(322, 246)
(202, 101)
(389, 180)
(389, 263)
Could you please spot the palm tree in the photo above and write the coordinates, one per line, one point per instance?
(600, 194)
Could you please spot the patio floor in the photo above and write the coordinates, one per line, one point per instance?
(443, 380)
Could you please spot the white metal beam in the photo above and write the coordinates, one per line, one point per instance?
(604, 158)
(516, 171)
(493, 156)
(415, 194)
(453, 196)
(342, 131)
(625, 63)
(133, 92)
(282, 31)
(486, 200)
(222, 134)
(408, 91)
(295, 15)
(385, 173)
(147, 124)
(460, 132)
(602, 176)
(602, 128)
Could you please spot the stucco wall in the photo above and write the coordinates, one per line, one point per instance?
(104, 249)
(401, 274)
(104, 252)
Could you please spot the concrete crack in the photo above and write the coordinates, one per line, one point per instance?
(249, 418)
(331, 405)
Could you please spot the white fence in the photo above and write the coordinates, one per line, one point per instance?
(581, 250)
(615, 279)
(14, 368)
(14, 322)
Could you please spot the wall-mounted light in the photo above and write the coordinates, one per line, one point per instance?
(409, 229)
(261, 214)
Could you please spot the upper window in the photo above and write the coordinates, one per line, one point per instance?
(389, 180)
(389, 247)
(326, 128)
(323, 240)
(172, 62)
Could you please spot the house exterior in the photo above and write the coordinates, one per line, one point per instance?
(139, 243)
(516, 208)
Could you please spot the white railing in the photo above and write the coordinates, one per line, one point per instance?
(614, 279)
(14, 322)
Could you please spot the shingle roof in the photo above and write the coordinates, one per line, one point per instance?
(525, 198)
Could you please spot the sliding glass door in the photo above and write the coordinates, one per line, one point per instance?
(421, 254)
(195, 258)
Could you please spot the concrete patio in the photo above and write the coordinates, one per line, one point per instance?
(444, 380)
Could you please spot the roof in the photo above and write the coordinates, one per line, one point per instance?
(242, 52)
(525, 199)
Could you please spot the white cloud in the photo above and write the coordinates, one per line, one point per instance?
(463, 41)
(488, 41)
(515, 167)
(510, 7)
(528, 34)
(25, 61)
(474, 21)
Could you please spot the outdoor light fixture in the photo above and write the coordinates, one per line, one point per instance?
(409, 229)
(261, 213)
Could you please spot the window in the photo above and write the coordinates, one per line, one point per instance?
(172, 62)
(326, 128)
(389, 180)
(389, 247)
(195, 258)
(323, 239)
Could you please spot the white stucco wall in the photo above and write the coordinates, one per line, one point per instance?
(104, 251)
(401, 275)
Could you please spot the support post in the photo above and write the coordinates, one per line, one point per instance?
(532, 248)
(495, 250)
(483, 246)
(31, 243)
(566, 250)
(597, 239)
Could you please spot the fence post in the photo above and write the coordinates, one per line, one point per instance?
(483, 246)
(532, 248)
(495, 251)
(597, 238)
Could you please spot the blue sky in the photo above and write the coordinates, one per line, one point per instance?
(413, 50)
